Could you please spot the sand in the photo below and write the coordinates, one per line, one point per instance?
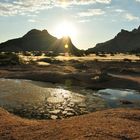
(112, 124)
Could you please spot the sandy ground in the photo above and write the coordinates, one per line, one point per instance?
(121, 124)
(87, 74)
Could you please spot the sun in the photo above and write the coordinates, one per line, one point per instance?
(65, 29)
(66, 46)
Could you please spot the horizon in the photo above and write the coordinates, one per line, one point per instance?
(62, 37)
(90, 22)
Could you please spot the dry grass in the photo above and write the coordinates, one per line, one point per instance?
(107, 57)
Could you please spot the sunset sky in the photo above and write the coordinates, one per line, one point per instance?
(88, 21)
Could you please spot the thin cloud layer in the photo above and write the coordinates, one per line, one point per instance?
(82, 2)
(21, 7)
(130, 17)
(91, 12)
(32, 7)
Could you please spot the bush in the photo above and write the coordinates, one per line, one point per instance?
(50, 60)
(10, 59)
(127, 60)
(27, 53)
(112, 54)
(37, 53)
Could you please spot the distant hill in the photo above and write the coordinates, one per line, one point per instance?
(36, 40)
(125, 41)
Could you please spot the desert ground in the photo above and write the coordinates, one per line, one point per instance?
(119, 124)
(93, 72)
(89, 72)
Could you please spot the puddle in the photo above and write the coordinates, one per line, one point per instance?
(40, 100)
(120, 97)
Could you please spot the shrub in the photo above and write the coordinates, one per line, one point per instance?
(50, 60)
(27, 53)
(10, 59)
(127, 60)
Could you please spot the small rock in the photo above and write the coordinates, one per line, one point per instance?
(46, 115)
(64, 112)
(55, 100)
(71, 104)
(125, 102)
(54, 117)
(82, 105)
(70, 114)
(62, 108)
(54, 112)
(69, 109)
(42, 111)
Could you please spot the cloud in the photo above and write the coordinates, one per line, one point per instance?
(91, 12)
(104, 1)
(22, 7)
(31, 20)
(84, 21)
(82, 2)
(122, 14)
(137, 0)
(119, 10)
(130, 17)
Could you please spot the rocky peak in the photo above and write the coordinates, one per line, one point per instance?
(136, 30)
(139, 28)
(45, 31)
(35, 32)
(32, 32)
(66, 40)
(122, 33)
(124, 41)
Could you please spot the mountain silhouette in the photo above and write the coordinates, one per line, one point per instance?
(125, 41)
(36, 40)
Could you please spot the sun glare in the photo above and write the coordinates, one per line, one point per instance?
(65, 29)
(66, 46)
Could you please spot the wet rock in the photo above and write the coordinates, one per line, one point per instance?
(55, 100)
(71, 104)
(54, 117)
(82, 109)
(64, 112)
(105, 93)
(54, 112)
(103, 77)
(69, 109)
(10, 109)
(126, 102)
(95, 77)
(42, 111)
(82, 105)
(85, 112)
(61, 108)
(70, 114)
(77, 100)
(46, 116)
(38, 116)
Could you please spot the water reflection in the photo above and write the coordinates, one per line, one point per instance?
(26, 98)
(120, 97)
(47, 101)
